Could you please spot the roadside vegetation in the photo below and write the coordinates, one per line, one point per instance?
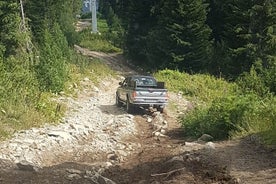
(109, 36)
(34, 70)
(223, 109)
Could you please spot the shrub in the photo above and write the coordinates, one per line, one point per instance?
(106, 40)
(224, 110)
(253, 82)
(231, 116)
(52, 69)
(97, 42)
(201, 87)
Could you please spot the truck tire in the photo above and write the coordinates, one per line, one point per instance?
(161, 109)
(118, 102)
(129, 107)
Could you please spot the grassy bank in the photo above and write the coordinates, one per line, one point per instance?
(23, 105)
(223, 109)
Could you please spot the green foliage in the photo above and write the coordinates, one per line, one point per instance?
(269, 76)
(185, 36)
(260, 79)
(19, 95)
(139, 20)
(103, 26)
(224, 116)
(116, 31)
(82, 67)
(253, 82)
(231, 116)
(44, 14)
(97, 42)
(223, 110)
(9, 28)
(51, 69)
(201, 87)
(269, 137)
(246, 32)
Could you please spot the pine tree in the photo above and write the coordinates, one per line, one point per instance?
(182, 38)
(51, 69)
(244, 32)
(9, 27)
(140, 21)
(44, 14)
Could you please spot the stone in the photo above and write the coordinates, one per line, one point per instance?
(149, 120)
(108, 164)
(163, 131)
(73, 176)
(73, 171)
(176, 159)
(26, 166)
(112, 156)
(96, 89)
(205, 138)
(86, 79)
(62, 134)
(123, 153)
(190, 144)
(210, 146)
(104, 180)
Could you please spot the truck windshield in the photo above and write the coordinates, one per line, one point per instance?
(145, 81)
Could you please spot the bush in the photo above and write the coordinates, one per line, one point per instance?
(106, 40)
(19, 96)
(201, 87)
(231, 116)
(224, 110)
(253, 82)
(97, 42)
(52, 68)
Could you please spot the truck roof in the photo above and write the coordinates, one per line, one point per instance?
(144, 80)
(138, 76)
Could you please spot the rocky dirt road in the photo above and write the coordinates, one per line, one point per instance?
(100, 143)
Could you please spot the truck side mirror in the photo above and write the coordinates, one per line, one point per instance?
(133, 84)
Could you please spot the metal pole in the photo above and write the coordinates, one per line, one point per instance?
(94, 15)
(22, 14)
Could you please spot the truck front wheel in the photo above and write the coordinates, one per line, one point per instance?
(118, 101)
(160, 109)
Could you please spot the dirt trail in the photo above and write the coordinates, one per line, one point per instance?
(111, 146)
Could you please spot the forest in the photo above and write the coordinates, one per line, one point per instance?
(231, 40)
(222, 38)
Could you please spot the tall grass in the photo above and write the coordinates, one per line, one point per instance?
(200, 88)
(23, 105)
(19, 96)
(224, 110)
(82, 67)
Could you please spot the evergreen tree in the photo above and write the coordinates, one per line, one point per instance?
(9, 27)
(51, 69)
(244, 32)
(182, 39)
(44, 14)
(140, 21)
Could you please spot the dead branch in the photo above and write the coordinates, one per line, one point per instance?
(168, 173)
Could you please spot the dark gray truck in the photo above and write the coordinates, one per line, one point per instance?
(141, 91)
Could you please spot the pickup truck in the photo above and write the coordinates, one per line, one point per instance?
(141, 91)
